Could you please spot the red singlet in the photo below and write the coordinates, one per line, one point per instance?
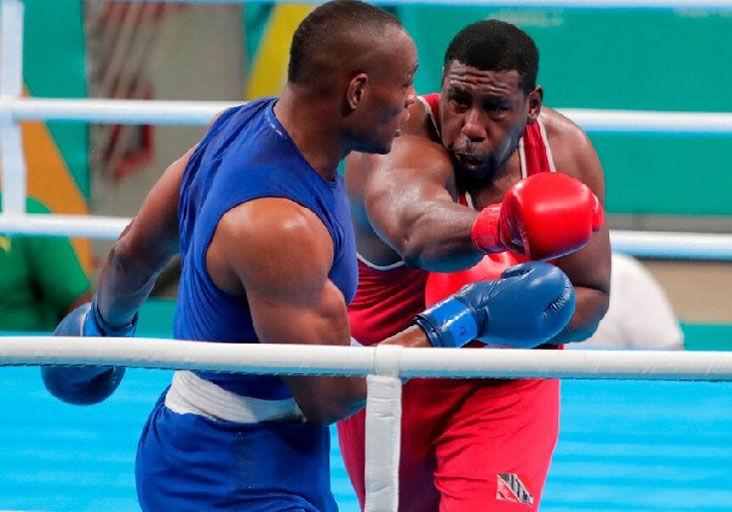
(467, 445)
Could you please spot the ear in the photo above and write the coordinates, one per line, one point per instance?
(534, 104)
(356, 90)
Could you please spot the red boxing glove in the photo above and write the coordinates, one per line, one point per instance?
(545, 216)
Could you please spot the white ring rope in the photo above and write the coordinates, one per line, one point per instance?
(642, 121)
(12, 159)
(672, 245)
(254, 358)
(201, 112)
(113, 111)
(91, 226)
(648, 244)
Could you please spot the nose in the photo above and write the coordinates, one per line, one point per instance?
(473, 127)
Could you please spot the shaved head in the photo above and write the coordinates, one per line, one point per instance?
(342, 37)
(350, 76)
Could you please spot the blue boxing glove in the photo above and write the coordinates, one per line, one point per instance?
(529, 305)
(85, 384)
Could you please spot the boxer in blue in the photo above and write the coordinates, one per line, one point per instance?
(260, 217)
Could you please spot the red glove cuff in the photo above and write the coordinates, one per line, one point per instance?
(598, 215)
(485, 232)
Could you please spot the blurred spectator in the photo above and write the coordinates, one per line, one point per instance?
(640, 316)
(41, 279)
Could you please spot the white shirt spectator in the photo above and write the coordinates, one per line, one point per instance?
(640, 315)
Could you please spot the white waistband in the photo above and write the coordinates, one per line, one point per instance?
(190, 394)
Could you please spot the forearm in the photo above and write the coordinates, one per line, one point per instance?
(142, 250)
(325, 400)
(592, 305)
(340, 397)
(437, 238)
(124, 283)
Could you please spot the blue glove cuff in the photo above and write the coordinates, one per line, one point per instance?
(95, 325)
(448, 324)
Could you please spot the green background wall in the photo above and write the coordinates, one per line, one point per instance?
(54, 66)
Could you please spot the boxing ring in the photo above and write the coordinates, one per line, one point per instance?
(384, 366)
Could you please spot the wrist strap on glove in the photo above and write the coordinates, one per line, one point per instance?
(98, 326)
(448, 324)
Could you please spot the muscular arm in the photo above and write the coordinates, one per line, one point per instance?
(142, 250)
(588, 268)
(404, 199)
(281, 254)
(125, 281)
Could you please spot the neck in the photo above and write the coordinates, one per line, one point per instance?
(308, 120)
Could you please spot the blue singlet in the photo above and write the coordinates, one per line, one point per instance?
(189, 461)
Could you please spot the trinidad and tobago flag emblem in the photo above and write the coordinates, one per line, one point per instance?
(511, 488)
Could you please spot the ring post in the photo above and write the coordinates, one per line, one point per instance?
(383, 430)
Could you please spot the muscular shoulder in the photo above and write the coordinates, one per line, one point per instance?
(566, 138)
(417, 121)
(571, 148)
(413, 161)
(274, 243)
(382, 187)
(412, 157)
(416, 145)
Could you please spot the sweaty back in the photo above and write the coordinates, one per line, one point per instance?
(247, 155)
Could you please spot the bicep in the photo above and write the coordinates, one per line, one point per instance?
(589, 272)
(399, 188)
(590, 266)
(279, 319)
(314, 317)
(282, 254)
(291, 298)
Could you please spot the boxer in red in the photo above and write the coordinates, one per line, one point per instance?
(480, 178)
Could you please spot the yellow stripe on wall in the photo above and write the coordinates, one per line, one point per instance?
(269, 69)
(50, 182)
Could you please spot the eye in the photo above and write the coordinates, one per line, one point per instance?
(496, 106)
(497, 109)
(459, 101)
